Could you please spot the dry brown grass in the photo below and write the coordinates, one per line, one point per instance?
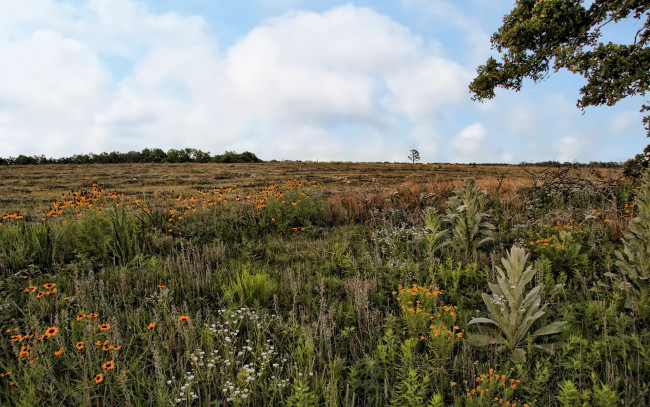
(356, 185)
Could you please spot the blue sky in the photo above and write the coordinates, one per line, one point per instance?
(286, 79)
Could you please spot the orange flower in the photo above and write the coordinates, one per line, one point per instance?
(161, 286)
(183, 318)
(49, 285)
(24, 351)
(151, 325)
(40, 294)
(80, 345)
(99, 378)
(100, 343)
(104, 327)
(51, 331)
(58, 352)
(80, 317)
(108, 365)
(92, 315)
(30, 289)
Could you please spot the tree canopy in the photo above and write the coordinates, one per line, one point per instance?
(540, 35)
(155, 155)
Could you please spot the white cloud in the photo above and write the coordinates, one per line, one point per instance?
(625, 121)
(469, 144)
(334, 84)
(477, 41)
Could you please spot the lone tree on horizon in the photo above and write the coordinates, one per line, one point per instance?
(414, 156)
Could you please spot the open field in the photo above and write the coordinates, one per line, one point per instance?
(337, 284)
(35, 186)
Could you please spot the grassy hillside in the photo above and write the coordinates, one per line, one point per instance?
(334, 284)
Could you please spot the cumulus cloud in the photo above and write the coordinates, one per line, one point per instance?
(475, 38)
(338, 84)
(470, 144)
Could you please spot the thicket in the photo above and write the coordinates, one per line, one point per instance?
(155, 155)
(285, 295)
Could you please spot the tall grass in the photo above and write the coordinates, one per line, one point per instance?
(293, 294)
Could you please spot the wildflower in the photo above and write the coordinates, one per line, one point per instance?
(453, 383)
(161, 286)
(99, 378)
(108, 365)
(30, 289)
(183, 318)
(115, 347)
(80, 317)
(100, 343)
(24, 351)
(80, 345)
(104, 327)
(49, 285)
(92, 315)
(40, 294)
(58, 352)
(11, 330)
(51, 331)
(151, 325)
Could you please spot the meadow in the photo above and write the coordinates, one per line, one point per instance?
(336, 284)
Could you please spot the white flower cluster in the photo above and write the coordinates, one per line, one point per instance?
(242, 362)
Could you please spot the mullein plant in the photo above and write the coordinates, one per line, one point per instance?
(511, 309)
(634, 259)
(464, 225)
(437, 236)
(469, 228)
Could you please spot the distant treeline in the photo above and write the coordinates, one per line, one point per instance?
(596, 164)
(591, 164)
(153, 155)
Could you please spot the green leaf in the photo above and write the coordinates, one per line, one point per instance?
(481, 321)
(549, 329)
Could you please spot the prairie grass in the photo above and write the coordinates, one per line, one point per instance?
(231, 284)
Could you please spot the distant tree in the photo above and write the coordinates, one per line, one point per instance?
(540, 35)
(24, 160)
(414, 156)
(249, 157)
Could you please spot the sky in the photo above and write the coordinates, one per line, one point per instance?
(318, 80)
